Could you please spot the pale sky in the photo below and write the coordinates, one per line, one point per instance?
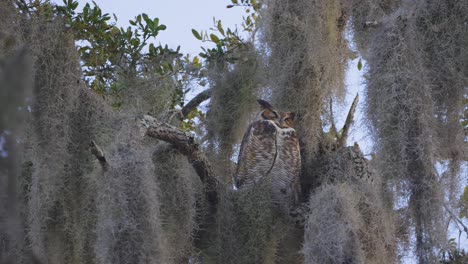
(180, 17)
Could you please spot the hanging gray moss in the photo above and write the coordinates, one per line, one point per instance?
(415, 90)
(307, 54)
(182, 202)
(71, 208)
(233, 100)
(249, 229)
(366, 16)
(151, 94)
(14, 89)
(348, 221)
(128, 227)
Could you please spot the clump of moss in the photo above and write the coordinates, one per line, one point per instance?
(234, 93)
(181, 201)
(306, 53)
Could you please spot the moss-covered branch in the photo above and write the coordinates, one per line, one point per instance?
(187, 145)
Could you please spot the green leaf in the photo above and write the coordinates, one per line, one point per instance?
(196, 34)
(86, 10)
(220, 28)
(146, 18)
(359, 64)
(214, 38)
(150, 24)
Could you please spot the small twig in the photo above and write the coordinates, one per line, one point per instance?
(349, 121)
(333, 131)
(465, 229)
(98, 153)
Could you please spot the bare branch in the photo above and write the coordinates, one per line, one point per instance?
(454, 217)
(196, 101)
(333, 131)
(189, 107)
(186, 144)
(349, 121)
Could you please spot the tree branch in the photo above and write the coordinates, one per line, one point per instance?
(333, 131)
(454, 217)
(196, 101)
(186, 144)
(347, 125)
(99, 154)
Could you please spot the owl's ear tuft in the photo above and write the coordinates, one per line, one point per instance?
(264, 104)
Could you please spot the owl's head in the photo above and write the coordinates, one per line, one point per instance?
(281, 119)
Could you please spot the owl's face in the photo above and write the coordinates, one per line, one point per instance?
(281, 119)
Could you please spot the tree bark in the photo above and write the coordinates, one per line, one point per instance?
(187, 145)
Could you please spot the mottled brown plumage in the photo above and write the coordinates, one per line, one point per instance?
(270, 153)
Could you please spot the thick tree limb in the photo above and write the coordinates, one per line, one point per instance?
(186, 144)
(349, 120)
(196, 101)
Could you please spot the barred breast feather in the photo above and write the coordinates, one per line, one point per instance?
(257, 154)
(270, 153)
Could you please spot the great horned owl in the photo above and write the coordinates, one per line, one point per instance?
(270, 152)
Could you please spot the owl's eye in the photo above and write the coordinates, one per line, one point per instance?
(269, 114)
(289, 121)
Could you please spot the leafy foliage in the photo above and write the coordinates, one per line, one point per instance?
(227, 40)
(104, 47)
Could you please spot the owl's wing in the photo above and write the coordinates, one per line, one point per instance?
(257, 153)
